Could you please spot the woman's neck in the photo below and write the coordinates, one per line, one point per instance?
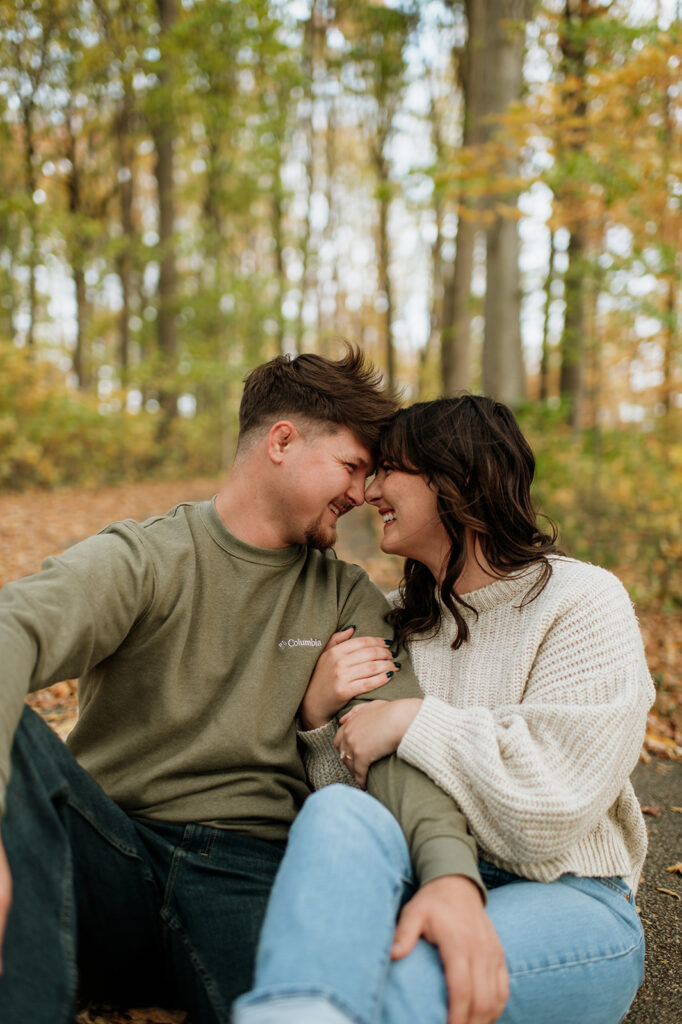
(476, 572)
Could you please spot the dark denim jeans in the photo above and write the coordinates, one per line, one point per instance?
(111, 907)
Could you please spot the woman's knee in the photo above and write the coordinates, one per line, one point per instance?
(343, 815)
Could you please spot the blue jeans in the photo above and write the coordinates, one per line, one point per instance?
(127, 911)
(574, 947)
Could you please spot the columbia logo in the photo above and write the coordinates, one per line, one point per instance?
(297, 641)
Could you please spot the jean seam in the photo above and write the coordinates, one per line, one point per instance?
(378, 995)
(221, 1011)
(208, 845)
(166, 912)
(66, 926)
(129, 851)
(626, 893)
(580, 963)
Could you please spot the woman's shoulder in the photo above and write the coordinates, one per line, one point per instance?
(567, 570)
(574, 581)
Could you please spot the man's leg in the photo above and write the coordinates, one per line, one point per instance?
(324, 951)
(215, 887)
(81, 889)
(133, 912)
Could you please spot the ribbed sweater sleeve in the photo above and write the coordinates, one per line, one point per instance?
(542, 764)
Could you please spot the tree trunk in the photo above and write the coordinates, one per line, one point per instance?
(313, 64)
(383, 270)
(163, 132)
(456, 335)
(29, 158)
(503, 369)
(543, 394)
(77, 256)
(571, 383)
(572, 39)
(669, 344)
(457, 305)
(124, 262)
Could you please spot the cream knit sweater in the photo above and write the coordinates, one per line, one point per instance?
(534, 725)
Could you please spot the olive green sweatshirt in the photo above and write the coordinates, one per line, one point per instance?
(194, 650)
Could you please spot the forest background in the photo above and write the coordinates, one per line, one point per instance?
(483, 194)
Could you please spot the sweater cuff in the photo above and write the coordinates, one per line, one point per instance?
(430, 730)
(447, 855)
(320, 740)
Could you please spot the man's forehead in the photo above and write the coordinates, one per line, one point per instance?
(353, 447)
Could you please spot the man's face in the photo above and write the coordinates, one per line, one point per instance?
(325, 478)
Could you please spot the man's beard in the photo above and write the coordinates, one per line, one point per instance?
(320, 537)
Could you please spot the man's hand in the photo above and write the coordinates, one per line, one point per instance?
(346, 668)
(5, 895)
(449, 913)
(371, 731)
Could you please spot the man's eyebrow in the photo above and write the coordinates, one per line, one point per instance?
(359, 460)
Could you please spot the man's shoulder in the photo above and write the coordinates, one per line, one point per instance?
(329, 562)
(176, 521)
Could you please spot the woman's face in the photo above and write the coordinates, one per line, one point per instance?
(412, 527)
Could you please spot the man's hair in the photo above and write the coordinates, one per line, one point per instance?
(345, 392)
(471, 450)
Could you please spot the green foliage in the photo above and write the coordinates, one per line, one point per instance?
(616, 497)
(50, 436)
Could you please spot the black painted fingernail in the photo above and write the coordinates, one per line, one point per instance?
(389, 674)
(387, 642)
(397, 664)
(344, 628)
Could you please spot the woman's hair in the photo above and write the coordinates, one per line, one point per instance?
(472, 451)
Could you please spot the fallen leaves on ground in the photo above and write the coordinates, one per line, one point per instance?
(669, 892)
(675, 869)
(110, 1015)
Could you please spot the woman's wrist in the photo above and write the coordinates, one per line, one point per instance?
(405, 711)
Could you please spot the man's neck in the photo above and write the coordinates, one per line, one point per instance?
(247, 513)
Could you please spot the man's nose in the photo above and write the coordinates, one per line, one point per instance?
(356, 491)
(371, 492)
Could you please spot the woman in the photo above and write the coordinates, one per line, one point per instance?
(536, 693)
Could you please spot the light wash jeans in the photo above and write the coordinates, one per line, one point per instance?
(574, 947)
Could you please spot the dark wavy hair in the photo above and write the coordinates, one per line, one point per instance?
(471, 450)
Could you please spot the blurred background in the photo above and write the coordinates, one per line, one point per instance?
(483, 194)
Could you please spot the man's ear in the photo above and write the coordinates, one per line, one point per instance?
(280, 438)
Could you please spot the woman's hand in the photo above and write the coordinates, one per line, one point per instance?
(371, 731)
(346, 668)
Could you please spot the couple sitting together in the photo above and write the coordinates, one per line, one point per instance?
(478, 861)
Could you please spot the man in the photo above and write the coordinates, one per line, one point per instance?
(143, 855)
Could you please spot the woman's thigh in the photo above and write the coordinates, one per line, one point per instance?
(574, 950)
